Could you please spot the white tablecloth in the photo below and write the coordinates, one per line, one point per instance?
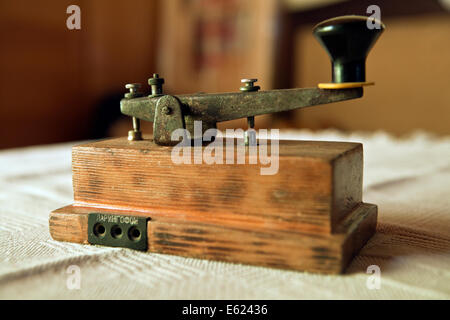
(409, 179)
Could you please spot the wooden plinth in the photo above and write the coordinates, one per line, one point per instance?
(309, 216)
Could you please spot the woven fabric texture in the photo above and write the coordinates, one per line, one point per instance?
(408, 179)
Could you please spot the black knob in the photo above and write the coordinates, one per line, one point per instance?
(347, 40)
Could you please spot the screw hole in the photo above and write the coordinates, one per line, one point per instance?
(116, 232)
(99, 230)
(134, 234)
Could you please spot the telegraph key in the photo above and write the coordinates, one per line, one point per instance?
(309, 215)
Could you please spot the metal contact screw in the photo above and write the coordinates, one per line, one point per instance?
(249, 85)
(133, 87)
(134, 90)
(250, 136)
(156, 84)
(135, 134)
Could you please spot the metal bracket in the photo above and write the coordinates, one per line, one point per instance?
(117, 231)
(168, 118)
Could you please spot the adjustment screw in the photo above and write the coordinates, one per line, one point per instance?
(156, 84)
(249, 85)
(135, 134)
(250, 134)
(134, 90)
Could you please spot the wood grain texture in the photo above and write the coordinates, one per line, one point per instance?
(66, 226)
(317, 184)
(309, 216)
(271, 248)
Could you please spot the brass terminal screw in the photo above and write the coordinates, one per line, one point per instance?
(134, 90)
(135, 134)
(156, 84)
(249, 86)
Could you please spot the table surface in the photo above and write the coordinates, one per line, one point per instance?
(409, 179)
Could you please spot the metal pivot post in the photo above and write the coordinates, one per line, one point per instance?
(135, 134)
(168, 115)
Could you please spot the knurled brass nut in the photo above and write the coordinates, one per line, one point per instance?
(134, 135)
(155, 81)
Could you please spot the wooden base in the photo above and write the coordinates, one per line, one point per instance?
(309, 216)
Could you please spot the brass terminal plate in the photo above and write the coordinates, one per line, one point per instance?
(117, 231)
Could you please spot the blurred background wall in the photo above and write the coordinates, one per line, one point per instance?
(62, 85)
